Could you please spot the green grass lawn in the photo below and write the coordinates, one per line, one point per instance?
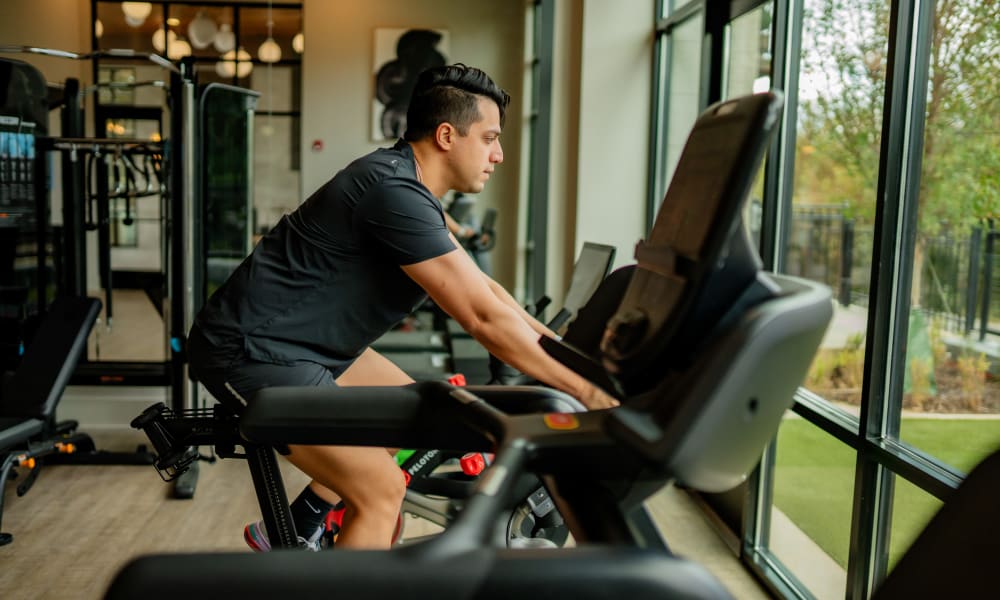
(814, 479)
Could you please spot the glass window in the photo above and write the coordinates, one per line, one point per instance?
(748, 52)
(951, 396)
(112, 78)
(669, 7)
(201, 31)
(839, 124)
(278, 86)
(284, 24)
(811, 512)
(116, 29)
(276, 183)
(683, 90)
(912, 509)
(748, 71)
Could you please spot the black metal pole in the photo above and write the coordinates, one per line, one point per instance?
(74, 246)
(972, 283)
(984, 315)
(175, 231)
(104, 233)
(846, 260)
(37, 172)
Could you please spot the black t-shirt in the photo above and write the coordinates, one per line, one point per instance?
(325, 282)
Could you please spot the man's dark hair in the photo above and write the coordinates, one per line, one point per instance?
(450, 94)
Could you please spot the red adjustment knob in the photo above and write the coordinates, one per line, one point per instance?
(407, 477)
(457, 380)
(472, 463)
(335, 516)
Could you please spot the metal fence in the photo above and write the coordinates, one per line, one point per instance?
(959, 279)
(827, 247)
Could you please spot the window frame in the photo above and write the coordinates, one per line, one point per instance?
(874, 434)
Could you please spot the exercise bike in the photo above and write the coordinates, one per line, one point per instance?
(435, 492)
(440, 481)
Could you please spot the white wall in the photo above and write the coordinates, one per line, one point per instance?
(564, 152)
(601, 86)
(614, 124)
(338, 83)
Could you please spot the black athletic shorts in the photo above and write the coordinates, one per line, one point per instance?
(233, 378)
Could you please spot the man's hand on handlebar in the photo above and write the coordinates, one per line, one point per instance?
(595, 399)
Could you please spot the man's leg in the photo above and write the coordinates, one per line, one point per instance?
(374, 504)
(369, 482)
(372, 507)
(371, 368)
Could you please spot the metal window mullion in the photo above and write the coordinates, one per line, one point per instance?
(890, 280)
(780, 169)
(712, 52)
(786, 48)
(538, 170)
(908, 118)
(676, 17)
(781, 582)
(914, 90)
(757, 504)
(658, 138)
(776, 209)
(915, 466)
(821, 413)
(656, 118)
(738, 8)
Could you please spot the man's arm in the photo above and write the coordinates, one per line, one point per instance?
(498, 290)
(505, 297)
(457, 285)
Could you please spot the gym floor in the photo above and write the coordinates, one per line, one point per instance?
(79, 524)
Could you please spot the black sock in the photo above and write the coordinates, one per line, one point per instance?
(309, 513)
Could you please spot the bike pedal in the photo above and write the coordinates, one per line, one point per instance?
(540, 502)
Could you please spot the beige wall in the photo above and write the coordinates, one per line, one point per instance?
(339, 82)
(602, 55)
(564, 146)
(58, 24)
(614, 124)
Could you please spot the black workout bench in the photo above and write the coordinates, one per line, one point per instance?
(28, 429)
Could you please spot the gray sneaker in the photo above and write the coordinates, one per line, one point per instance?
(255, 535)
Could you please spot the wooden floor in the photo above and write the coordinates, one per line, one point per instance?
(80, 524)
(135, 333)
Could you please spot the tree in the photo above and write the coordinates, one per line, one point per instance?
(844, 60)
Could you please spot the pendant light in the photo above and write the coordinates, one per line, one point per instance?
(136, 12)
(201, 31)
(225, 39)
(269, 51)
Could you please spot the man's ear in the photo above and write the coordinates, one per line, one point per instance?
(444, 135)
